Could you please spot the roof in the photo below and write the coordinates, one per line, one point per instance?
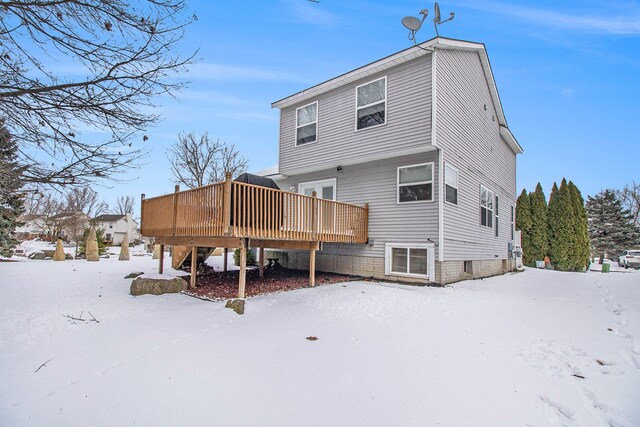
(109, 218)
(401, 57)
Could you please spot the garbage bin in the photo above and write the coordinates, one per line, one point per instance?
(606, 267)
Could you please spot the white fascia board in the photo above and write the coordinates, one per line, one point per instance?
(506, 134)
(358, 160)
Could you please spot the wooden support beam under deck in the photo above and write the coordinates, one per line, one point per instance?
(209, 242)
(161, 260)
(242, 279)
(285, 244)
(261, 263)
(312, 267)
(226, 258)
(194, 267)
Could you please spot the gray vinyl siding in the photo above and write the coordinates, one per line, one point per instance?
(407, 127)
(469, 136)
(376, 183)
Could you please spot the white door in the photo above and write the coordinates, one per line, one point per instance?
(325, 189)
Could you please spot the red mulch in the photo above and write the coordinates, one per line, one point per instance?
(219, 285)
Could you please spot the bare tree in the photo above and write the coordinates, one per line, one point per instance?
(197, 161)
(118, 59)
(124, 205)
(85, 200)
(50, 209)
(630, 198)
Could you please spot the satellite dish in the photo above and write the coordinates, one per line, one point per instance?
(436, 19)
(413, 24)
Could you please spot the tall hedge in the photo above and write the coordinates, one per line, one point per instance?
(560, 224)
(523, 223)
(580, 229)
(539, 232)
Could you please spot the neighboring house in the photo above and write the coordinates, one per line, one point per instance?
(66, 225)
(117, 226)
(422, 138)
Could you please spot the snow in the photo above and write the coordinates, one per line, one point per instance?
(509, 350)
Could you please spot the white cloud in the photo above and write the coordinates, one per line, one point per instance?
(625, 21)
(222, 72)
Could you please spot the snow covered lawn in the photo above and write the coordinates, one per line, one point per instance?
(535, 348)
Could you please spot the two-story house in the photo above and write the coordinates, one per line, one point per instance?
(422, 138)
(117, 226)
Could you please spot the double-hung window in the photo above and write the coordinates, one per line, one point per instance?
(486, 207)
(451, 184)
(371, 103)
(307, 124)
(415, 183)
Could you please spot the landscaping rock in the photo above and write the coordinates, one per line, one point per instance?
(58, 254)
(92, 246)
(156, 252)
(236, 304)
(146, 285)
(134, 275)
(68, 256)
(37, 255)
(124, 249)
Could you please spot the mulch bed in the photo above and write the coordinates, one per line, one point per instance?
(219, 285)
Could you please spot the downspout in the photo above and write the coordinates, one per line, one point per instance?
(434, 143)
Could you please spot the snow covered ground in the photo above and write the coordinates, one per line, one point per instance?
(534, 348)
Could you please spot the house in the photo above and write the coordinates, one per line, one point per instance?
(421, 137)
(66, 225)
(116, 226)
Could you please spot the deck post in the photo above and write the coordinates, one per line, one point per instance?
(261, 262)
(366, 222)
(226, 258)
(314, 217)
(141, 214)
(312, 267)
(194, 267)
(243, 269)
(175, 207)
(226, 205)
(161, 260)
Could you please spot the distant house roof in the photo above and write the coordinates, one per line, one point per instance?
(28, 217)
(108, 218)
(64, 215)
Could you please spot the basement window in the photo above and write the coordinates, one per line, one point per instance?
(408, 261)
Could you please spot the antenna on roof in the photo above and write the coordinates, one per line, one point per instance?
(413, 24)
(436, 18)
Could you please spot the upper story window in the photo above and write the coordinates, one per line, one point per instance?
(307, 124)
(486, 207)
(371, 103)
(451, 184)
(415, 183)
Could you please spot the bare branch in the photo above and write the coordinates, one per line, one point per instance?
(197, 161)
(122, 61)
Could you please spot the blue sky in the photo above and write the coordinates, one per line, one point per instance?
(568, 74)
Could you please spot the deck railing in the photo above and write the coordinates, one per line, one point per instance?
(235, 209)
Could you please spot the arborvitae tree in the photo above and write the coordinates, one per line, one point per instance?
(10, 185)
(559, 219)
(611, 229)
(539, 237)
(580, 229)
(523, 223)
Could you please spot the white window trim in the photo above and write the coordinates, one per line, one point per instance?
(447, 165)
(480, 205)
(386, 117)
(496, 206)
(430, 247)
(295, 136)
(322, 182)
(398, 202)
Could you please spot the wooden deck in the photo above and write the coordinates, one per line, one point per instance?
(237, 215)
